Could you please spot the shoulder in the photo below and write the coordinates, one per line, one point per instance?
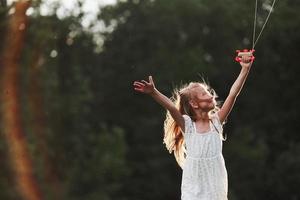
(188, 123)
(215, 117)
(186, 117)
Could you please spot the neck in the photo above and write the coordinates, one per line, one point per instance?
(202, 115)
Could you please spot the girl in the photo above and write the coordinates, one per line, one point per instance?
(193, 130)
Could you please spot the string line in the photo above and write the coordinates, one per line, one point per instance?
(271, 9)
(254, 25)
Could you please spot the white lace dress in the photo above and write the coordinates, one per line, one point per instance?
(204, 174)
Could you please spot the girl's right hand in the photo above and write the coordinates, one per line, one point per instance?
(246, 62)
(144, 86)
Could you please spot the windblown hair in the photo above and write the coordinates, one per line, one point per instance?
(173, 137)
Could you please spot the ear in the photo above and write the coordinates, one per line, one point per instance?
(193, 104)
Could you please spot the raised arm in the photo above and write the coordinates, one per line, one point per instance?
(235, 89)
(149, 88)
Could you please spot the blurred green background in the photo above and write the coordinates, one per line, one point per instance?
(82, 133)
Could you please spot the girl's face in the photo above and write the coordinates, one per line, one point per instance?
(202, 99)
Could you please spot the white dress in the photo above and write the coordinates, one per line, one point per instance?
(204, 174)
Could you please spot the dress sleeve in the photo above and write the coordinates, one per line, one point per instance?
(188, 125)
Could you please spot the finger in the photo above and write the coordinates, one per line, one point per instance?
(145, 82)
(245, 59)
(139, 84)
(151, 80)
(139, 89)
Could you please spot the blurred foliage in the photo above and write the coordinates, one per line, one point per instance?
(105, 141)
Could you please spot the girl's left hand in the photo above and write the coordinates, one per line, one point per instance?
(246, 62)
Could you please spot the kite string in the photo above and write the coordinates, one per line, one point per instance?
(254, 25)
(271, 9)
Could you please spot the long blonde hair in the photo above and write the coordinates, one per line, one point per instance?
(173, 137)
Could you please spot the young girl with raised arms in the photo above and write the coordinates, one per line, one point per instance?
(193, 131)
